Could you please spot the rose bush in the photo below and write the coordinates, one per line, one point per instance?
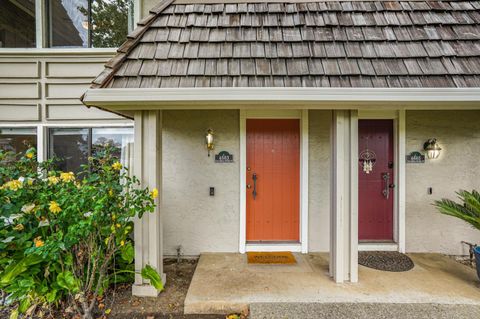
(65, 237)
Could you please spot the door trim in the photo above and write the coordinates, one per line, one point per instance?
(275, 114)
(399, 138)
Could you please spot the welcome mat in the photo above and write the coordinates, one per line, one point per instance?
(281, 257)
(385, 260)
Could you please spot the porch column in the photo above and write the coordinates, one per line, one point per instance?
(147, 167)
(344, 197)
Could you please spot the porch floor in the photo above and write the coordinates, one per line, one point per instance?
(224, 283)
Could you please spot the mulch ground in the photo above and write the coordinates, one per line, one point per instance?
(169, 303)
(464, 260)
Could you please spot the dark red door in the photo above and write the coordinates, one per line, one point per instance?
(273, 179)
(375, 180)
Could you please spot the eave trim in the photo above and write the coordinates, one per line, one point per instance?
(112, 98)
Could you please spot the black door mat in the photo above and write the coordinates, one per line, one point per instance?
(385, 260)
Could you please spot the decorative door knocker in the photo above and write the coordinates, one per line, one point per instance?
(367, 159)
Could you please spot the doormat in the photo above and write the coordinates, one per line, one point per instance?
(385, 260)
(281, 257)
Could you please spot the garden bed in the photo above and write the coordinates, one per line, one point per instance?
(170, 302)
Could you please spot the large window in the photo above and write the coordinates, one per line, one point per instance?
(88, 23)
(17, 139)
(64, 23)
(73, 146)
(17, 24)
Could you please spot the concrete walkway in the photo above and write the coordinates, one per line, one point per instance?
(225, 283)
(362, 311)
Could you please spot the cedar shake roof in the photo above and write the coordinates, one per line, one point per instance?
(301, 44)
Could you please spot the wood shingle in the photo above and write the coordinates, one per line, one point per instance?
(308, 44)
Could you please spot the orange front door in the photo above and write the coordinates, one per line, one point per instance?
(273, 179)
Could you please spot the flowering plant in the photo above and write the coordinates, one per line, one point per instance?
(65, 237)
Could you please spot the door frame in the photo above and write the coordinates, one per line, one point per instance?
(399, 137)
(302, 115)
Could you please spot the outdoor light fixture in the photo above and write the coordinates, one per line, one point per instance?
(209, 141)
(432, 148)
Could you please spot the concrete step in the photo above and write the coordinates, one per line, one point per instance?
(362, 311)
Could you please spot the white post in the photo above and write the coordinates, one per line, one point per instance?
(148, 168)
(344, 197)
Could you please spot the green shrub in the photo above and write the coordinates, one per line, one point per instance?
(468, 210)
(65, 238)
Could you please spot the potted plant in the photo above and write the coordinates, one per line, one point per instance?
(468, 210)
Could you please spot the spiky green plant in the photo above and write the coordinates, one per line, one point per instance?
(468, 210)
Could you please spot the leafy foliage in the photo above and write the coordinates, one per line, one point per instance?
(109, 22)
(64, 238)
(468, 210)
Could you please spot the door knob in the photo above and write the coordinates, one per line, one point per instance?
(249, 186)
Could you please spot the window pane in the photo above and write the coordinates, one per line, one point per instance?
(70, 145)
(17, 24)
(68, 23)
(109, 22)
(121, 139)
(17, 139)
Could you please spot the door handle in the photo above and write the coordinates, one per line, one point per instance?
(386, 182)
(254, 193)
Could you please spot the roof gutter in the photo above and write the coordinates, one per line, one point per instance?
(322, 98)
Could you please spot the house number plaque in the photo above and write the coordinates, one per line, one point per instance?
(415, 157)
(224, 157)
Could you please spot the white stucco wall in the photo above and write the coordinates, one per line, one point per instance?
(458, 167)
(319, 180)
(192, 218)
(201, 223)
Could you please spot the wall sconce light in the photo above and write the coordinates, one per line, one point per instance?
(432, 148)
(209, 140)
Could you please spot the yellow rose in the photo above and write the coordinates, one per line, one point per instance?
(122, 243)
(67, 177)
(154, 193)
(13, 185)
(110, 192)
(117, 166)
(54, 207)
(38, 242)
(52, 180)
(18, 227)
(29, 155)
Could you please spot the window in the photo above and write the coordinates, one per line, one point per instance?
(88, 23)
(64, 23)
(121, 139)
(17, 24)
(73, 146)
(17, 139)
